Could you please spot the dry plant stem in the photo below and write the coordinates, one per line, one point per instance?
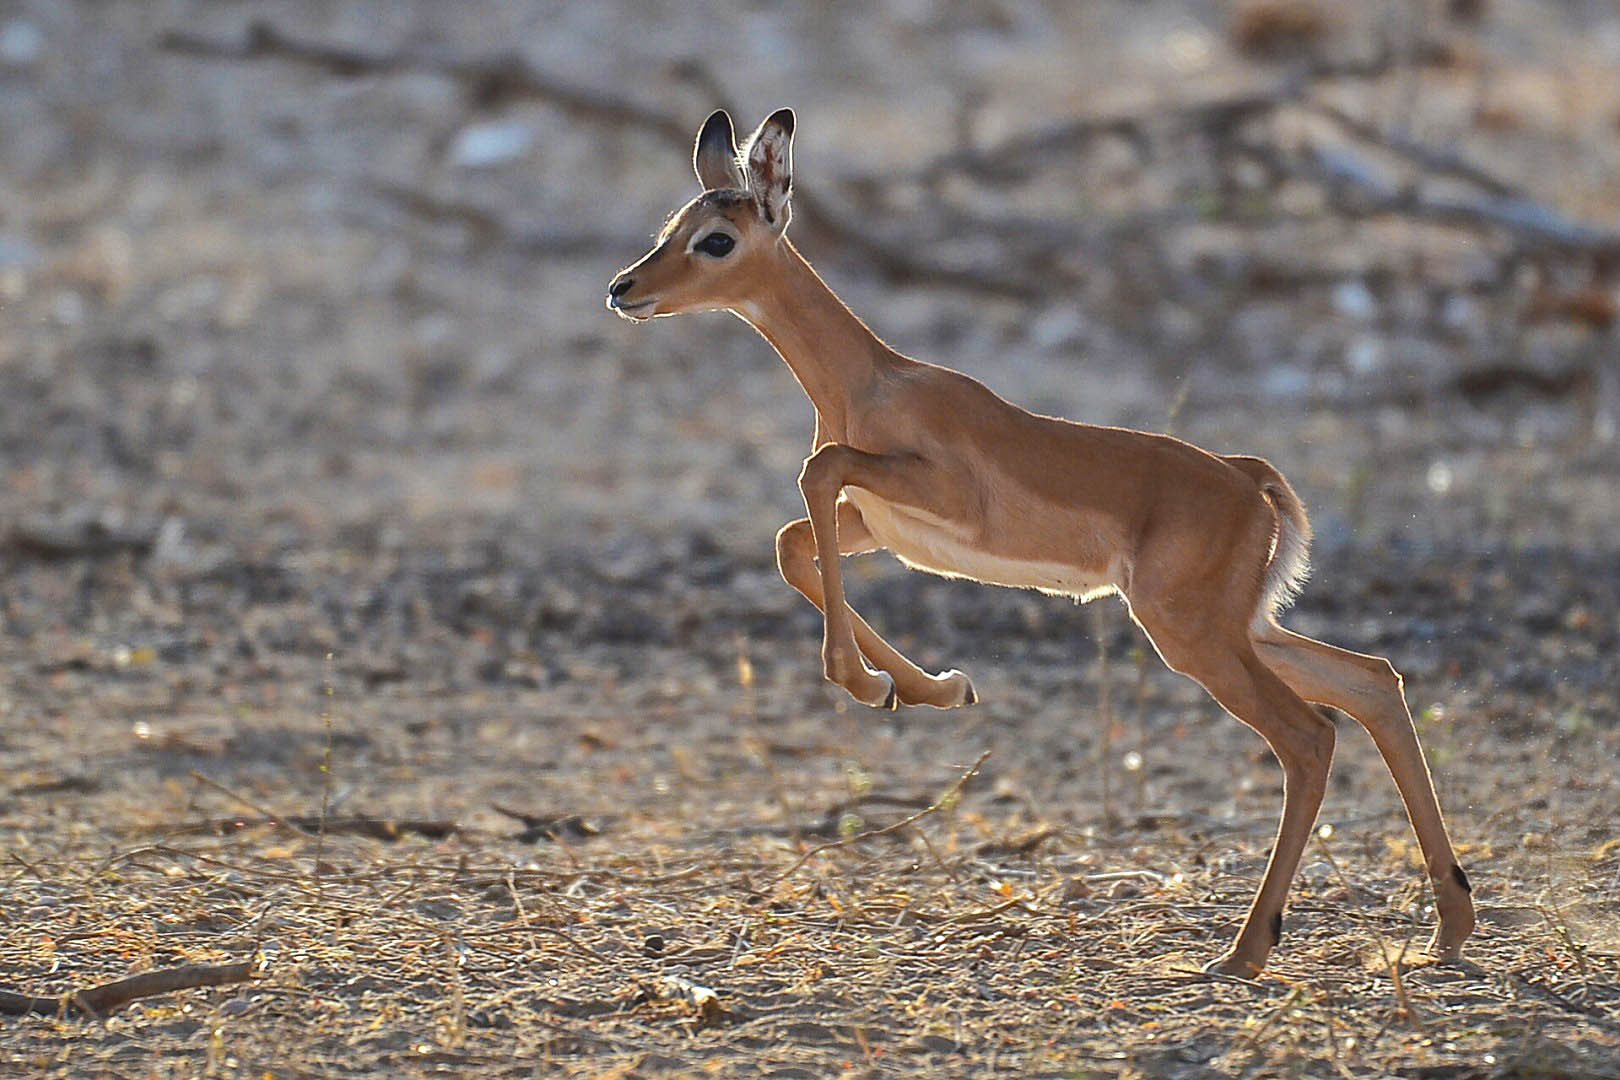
(1139, 791)
(1299, 996)
(456, 1021)
(1105, 713)
(523, 919)
(26, 865)
(110, 997)
(944, 801)
(1402, 1000)
(1560, 927)
(326, 770)
(761, 751)
(285, 823)
(939, 862)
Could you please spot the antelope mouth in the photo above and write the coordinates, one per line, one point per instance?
(640, 311)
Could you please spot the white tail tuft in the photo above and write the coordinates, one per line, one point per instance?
(1290, 562)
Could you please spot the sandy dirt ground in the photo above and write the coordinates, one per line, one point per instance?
(380, 613)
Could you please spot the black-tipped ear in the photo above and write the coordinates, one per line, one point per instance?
(714, 156)
(770, 166)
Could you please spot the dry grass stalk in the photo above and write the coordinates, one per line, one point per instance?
(944, 802)
(257, 808)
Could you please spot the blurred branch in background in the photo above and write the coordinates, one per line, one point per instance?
(1024, 257)
(1284, 189)
(491, 80)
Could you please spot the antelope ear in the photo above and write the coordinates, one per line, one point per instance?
(770, 167)
(714, 156)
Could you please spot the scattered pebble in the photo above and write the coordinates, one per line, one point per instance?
(481, 146)
(21, 44)
(1354, 300)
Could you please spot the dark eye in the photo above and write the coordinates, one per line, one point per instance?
(717, 244)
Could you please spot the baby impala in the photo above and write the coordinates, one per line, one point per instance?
(929, 464)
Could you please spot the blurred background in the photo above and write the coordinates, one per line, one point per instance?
(329, 487)
(303, 347)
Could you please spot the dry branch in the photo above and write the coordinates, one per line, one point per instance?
(1536, 226)
(1029, 272)
(945, 801)
(1013, 157)
(110, 997)
(486, 227)
(1019, 845)
(249, 803)
(1428, 158)
(489, 79)
(377, 828)
(492, 79)
(833, 819)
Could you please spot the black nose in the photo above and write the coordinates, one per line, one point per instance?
(620, 287)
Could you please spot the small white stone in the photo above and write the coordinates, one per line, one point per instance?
(1284, 381)
(1459, 313)
(480, 146)
(1440, 477)
(21, 43)
(1354, 300)
(1365, 355)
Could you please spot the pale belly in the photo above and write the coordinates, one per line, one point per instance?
(924, 542)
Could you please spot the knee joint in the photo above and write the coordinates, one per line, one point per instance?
(795, 548)
(820, 472)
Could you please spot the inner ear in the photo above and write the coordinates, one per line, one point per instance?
(714, 155)
(770, 166)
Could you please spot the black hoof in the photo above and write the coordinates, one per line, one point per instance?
(971, 697)
(893, 700)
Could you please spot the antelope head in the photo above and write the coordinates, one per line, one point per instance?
(708, 256)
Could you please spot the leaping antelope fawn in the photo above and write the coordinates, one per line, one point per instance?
(1205, 549)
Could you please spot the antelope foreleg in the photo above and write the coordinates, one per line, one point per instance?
(906, 479)
(796, 559)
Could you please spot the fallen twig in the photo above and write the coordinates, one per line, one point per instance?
(832, 823)
(385, 829)
(110, 997)
(1019, 845)
(77, 536)
(1534, 224)
(945, 801)
(249, 803)
(557, 827)
(76, 785)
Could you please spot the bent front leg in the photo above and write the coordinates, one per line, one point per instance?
(901, 478)
(796, 559)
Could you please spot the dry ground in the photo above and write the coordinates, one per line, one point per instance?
(376, 608)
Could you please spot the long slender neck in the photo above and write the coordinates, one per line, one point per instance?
(830, 351)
